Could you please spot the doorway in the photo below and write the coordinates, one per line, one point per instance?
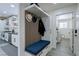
(64, 30)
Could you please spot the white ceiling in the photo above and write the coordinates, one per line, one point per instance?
(6, 9)
(45, 6)
(48, 7)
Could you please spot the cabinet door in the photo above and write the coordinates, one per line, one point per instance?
(14, 40)
(6, 36)
(16, 43)
(76, 36)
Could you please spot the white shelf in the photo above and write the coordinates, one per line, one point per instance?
(37, 11)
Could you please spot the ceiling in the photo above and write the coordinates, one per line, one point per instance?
(12, 8)
(7, 9)
(48, 7)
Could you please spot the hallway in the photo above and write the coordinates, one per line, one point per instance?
(63, 49)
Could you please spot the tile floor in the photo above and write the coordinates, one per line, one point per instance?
(62, 49)
(7, 49)
(2, 53)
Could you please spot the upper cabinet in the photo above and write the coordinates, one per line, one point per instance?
(13, 23)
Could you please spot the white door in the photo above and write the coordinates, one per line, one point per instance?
(15, 40)
(76, 36)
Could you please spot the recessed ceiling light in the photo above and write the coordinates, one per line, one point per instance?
(4, 12)
(12, 5)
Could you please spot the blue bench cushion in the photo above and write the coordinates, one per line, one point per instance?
(36, 47)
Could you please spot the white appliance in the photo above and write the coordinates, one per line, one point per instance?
(3, 36)
(15, 40)
(6, 36)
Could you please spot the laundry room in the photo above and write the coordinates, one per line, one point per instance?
(9, 29)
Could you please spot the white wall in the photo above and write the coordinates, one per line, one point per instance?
(21, 49)
(46, 21)
(53, 33)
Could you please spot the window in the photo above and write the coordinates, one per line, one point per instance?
(64, 20)
(64, 16)
(63, 25)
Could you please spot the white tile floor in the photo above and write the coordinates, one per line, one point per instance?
(2, 53)
(7, 49)
(62, 49)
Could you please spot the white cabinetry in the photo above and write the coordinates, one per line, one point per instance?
(15, 40)
(6, 36)
(13, 26)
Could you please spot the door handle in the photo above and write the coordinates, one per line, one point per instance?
(75, 35)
